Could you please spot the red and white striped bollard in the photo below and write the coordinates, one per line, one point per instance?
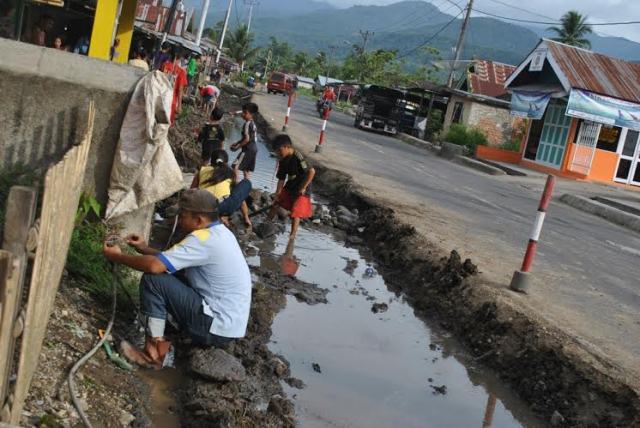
(520, 279)
(286, 118)
(324, 127)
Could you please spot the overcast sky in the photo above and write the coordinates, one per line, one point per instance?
(597, 10)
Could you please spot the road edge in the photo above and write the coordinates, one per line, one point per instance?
(609, 213)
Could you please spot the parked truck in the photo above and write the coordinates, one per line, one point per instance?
(379, 109)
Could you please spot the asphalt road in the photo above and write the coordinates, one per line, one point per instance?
(586, 270)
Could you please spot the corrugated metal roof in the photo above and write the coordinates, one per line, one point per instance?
(596, 72)
(488, 78)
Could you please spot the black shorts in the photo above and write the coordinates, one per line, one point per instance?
(209, 146)
(247, 159)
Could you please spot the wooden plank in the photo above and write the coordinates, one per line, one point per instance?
(21, 207)
(63, 185)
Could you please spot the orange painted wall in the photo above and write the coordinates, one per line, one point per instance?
(603, 166)
(495, 154)
(548, 170)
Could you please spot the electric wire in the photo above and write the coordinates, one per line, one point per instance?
(433, 36)
(550, 22)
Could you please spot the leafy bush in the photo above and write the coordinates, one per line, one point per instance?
(85, 262)
(469, 137)
(511, 145)
(434, 124)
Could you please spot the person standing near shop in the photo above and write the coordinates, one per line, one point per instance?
(39, 31)
(180, 82)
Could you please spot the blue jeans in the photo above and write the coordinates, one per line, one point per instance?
(164, 293)
(239, 193)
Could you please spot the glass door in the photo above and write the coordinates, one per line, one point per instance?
(553, 140)
(628, 170)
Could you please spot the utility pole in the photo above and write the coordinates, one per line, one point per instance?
(251, 3)
(224, 31)
(365, 38)
(460, 44)
(203, 17)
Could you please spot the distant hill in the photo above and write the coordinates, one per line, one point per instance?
(313, 26)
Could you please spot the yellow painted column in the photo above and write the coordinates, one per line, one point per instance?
(125, 29)
(103, 24)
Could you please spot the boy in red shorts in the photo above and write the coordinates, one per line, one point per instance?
(292, 195)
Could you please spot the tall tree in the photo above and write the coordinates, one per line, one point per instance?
(573, 30)
(213, 33)
(239, 45)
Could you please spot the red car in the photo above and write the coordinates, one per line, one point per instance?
(280, 83)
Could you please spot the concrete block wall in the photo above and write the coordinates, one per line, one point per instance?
(45, 94)
(495, 122)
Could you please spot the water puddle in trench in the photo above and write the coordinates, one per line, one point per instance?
(376, 369)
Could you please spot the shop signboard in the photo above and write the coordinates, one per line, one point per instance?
(529, 104)
(602, 109)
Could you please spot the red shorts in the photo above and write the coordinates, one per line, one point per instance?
(300, 207)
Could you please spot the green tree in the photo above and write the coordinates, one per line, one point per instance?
(573, 30)
(213, 33)
(239, 46)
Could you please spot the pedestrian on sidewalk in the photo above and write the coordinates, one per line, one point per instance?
(211, 304)
(179, 77)
(246, 160)
(211, 136)
(294, 194)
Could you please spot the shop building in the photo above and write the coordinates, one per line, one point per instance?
(584, 111)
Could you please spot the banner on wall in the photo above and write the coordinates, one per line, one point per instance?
(603, 109)
(529, 104)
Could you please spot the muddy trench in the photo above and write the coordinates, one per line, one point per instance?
(560, 382)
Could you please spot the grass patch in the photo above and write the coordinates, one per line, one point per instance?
(89, 268)
(306, 92)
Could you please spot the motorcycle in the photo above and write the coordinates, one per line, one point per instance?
(323, 106)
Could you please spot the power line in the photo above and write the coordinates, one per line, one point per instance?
(530, 12)
(433, 36)
(552, 23)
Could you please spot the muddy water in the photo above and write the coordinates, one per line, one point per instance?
(366, 369)
(163, 385)
(376, 369)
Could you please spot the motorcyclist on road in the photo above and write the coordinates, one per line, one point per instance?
(327, 99)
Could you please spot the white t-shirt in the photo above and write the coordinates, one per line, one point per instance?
(216, 268)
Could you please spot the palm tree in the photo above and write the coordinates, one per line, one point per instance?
(573, 30)
(239, 46)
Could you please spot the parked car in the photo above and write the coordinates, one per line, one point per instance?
(379, 109)
(280, 83)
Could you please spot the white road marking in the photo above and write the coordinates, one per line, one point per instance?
(625, 248)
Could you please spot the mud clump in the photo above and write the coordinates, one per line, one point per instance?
(217, 365)
(379, 308)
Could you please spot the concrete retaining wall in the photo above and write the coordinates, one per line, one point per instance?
(45, 94)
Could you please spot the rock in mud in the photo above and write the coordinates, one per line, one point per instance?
(283, 408)
(316, 368)
(295, 383)
(354, 240)
(379, 308)
(351, 266)
(217, 365)
(280, 368)
(557, 419)
(439, 390)
(267, 229)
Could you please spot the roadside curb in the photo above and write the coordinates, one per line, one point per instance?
(505, 168)
(611, 214)
(479, 166)
(417, 142)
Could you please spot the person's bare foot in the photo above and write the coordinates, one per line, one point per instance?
(135, 355)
